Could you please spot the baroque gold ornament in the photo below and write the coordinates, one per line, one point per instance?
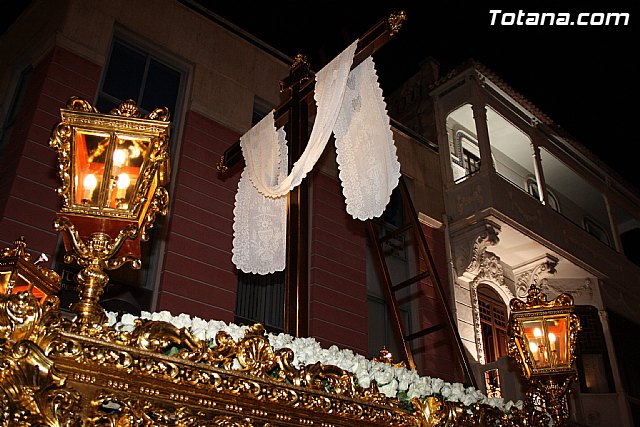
(542, 340)
(113, 169)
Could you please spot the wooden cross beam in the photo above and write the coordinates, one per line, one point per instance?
(369, 43)
(293, 112)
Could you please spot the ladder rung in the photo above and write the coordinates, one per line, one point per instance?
(410, 281)
(424, 332)
(395, 233)
(389, 289)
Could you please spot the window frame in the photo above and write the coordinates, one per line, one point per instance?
(533, 190)
(592, 227)
(461, 153)
(494, 303)
(20, 89)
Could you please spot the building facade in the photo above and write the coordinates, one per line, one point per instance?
(525, 203)
(504, 198)
(217, 81)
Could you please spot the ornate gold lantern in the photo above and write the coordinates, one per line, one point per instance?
(113, 168)
(18, 273)
(542, 340)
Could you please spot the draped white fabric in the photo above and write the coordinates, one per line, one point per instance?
(260, 223)
(352, 106)
(366, 155)
(330, 84)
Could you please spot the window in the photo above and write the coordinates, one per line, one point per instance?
(596, 230)
(471, 162)
(532, 188)
(14, 107)
(133, 73)
(134, 70)
(492, 383)
(393, 227)
(592, 360)
(382, 330)
(466, 160)
(493, 321)
(260, 299)
(461, 133)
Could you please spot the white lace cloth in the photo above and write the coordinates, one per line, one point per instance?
(351, 105)
(366, 155)
(260, 223)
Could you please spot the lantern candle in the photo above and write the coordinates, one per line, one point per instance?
(537, 333)
(89, 184)
(552, 341)
(119, 157)
(122, 183)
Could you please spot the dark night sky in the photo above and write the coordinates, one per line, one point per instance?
(580, 76)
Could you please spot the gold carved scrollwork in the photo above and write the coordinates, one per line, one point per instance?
(61, 142)
(161, 375)
(436, 412)
(395, 21)
(33, 392)
(159, 205)
(98, 249)
(124, 411)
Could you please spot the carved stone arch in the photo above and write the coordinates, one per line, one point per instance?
(490, 273)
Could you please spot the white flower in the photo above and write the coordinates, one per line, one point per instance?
(390, 389)
(162, 316)
(182, 321)
(383, 376)
(457, 392)
(112, 318)
(468, 399)
(445, 391)
(307, 351)
(199, 328)
(213, 327)
(127, 323)
(436, 385)
(498, 402)
(128, 319)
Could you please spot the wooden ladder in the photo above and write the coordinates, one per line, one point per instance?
(380, 235)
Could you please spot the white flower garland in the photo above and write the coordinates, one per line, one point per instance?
(394, 382)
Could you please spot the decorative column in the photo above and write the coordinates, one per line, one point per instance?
(623, 405)
(537, 164)
(482, 129)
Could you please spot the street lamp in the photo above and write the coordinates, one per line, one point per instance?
(113, 168)
(18, 273)
(542, 340)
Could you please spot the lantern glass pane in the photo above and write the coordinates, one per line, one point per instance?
(5, 276)
(536, 343)
(557, 335)
(90, 150)
(127, 161)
